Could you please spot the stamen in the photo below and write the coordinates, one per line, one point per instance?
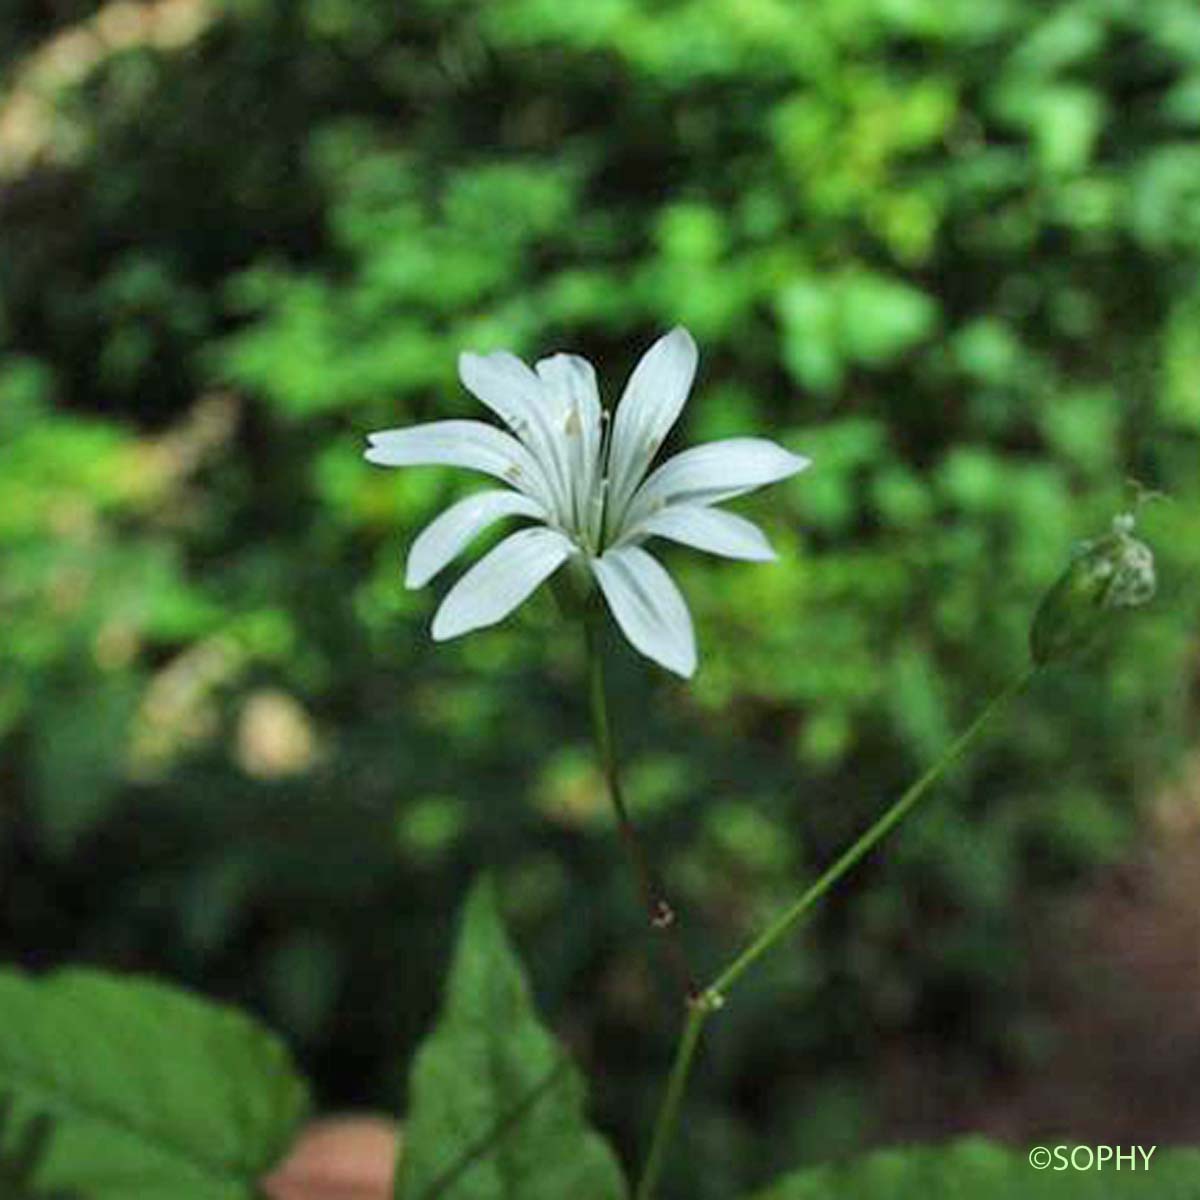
(605, 440)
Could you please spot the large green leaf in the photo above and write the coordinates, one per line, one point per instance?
(974, 1169)
(21, 1150)
(154, 1093)
(497, 1109)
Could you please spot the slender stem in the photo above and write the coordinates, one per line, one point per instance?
(668, 1114)
(659, 913)
(867, 842)
(713, 997)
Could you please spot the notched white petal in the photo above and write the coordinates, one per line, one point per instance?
(503, 383)
(500, 581)
(714, 472)
(708, 529)
(570, 385)
(469, 444)
(648, 607)
(650, 405)
(448, 534)
(519, 397)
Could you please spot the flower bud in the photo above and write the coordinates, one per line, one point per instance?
(1108, 574)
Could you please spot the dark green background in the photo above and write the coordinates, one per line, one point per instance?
(948, 249)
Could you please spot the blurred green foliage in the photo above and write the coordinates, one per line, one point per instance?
(948, 250)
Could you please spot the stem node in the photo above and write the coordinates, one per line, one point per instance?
(703, 1003)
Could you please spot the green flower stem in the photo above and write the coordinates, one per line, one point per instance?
(668, 1115)
(659, 912)
(713, 996)
(867, 842)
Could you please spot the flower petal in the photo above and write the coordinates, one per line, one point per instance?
(504, 384)
(447, 535)
(470, 444)
(517, 395)
(500, 580)
(709, 529)
(571, 385)
(571, 382)
(712, 473)
(650, 406)
(648, 607)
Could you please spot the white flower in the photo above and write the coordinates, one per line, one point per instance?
(586, 486)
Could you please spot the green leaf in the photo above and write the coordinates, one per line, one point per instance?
(154, 1093)
(497, 1108)
(983, 1171)
(21, 1149)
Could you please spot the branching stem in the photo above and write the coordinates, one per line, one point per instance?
(714, 996)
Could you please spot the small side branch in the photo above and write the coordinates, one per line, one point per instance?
(713, 997)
